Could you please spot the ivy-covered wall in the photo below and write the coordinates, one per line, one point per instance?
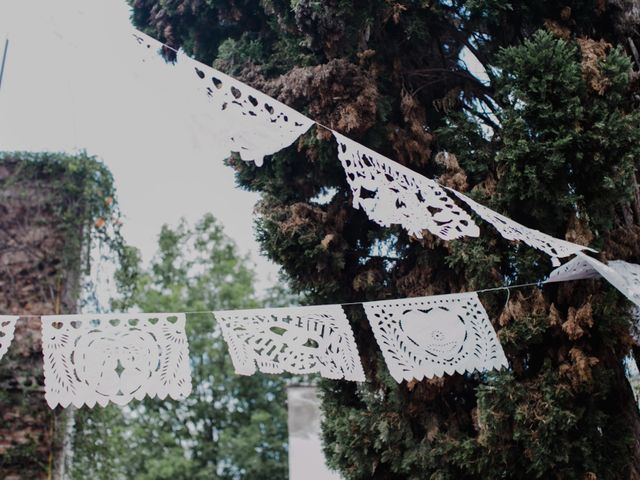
(51, 207)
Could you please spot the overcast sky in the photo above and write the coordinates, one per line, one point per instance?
(73, 81)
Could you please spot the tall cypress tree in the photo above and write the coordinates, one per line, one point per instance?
(549, 138)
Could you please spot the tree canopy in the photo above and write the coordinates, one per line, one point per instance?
(531, 107)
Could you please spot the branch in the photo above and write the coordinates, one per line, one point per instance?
(483, 117)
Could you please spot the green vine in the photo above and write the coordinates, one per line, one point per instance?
(85, 206)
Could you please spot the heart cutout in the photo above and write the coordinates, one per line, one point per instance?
(76, 324)
(172, 319)
(56, 325)
(115, 322)
(153, 320)
(133, 322)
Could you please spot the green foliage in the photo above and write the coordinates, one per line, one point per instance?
(565, 145)
(230, 426)
(235, 54)
(85, 206)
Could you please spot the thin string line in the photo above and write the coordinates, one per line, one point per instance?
(201, 312)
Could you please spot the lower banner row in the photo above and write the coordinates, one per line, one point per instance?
(91, 359)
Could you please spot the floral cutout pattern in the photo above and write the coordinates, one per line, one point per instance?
(390, 193)
(432, 336)
(7, 328)
(91, 359)
(297, 340)
(254, 124)
(511, 230)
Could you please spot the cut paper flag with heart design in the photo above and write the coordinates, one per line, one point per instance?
(91, 359)
(432, 336)
(390, 193)
(511, 230)
(624, 276)
(7, 328)
(298, 340)
(253, 124)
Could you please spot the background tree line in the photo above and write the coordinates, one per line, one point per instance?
(230, 426)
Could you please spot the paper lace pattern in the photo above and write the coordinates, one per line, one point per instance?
(630, 273)
(511, 230)
(390, 193)
(255, 124)
(91, 359)
(7, 327)
(297, 340)
(622, 275)
(579, 268)
(433, 336)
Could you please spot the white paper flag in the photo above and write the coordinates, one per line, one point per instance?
(630, 273)
(622, 275)
(254, 124)
(91, 359)
(432, 336)
(301, 340)
(511, 230)
(390, 193)
(579, 268)
(7, 327)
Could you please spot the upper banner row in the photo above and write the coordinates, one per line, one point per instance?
(254, 125)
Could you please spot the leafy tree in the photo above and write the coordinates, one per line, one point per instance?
(230, 426)
(549, 137)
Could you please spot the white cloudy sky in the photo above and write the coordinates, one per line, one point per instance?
(73, 81)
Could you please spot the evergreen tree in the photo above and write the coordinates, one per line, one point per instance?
(549, 138)
(230, 426)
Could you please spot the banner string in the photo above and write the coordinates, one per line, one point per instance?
(202, 312)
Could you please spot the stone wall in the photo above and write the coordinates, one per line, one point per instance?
(34, 280)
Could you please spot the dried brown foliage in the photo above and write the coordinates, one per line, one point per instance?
(554, 317)
(592, 53)
(557, 29)
(338, 94)
(454, 176)
(520, 306)
(411, 141)
(578, 370)
(578, 231)
(578, 321)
